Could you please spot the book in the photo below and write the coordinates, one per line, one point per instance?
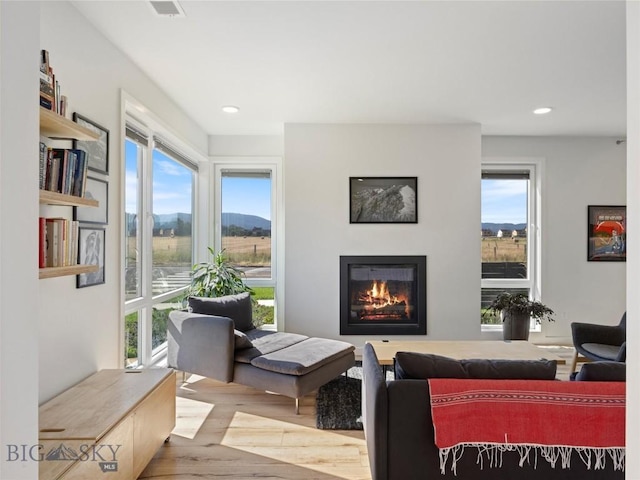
(58, 161)
(45, 103)
(74, 242)
(43, 164)
(51, 243)
(42, 242)
(80, 173)
(44, 61)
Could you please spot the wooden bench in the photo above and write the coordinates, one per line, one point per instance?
(112, 422)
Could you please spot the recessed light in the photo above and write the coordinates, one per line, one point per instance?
(230, 109)
(542, 110)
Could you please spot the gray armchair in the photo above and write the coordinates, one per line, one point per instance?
(600, 342)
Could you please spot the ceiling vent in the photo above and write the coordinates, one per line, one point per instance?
(167, 9)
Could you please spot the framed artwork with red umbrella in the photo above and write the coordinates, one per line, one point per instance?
(607, 236)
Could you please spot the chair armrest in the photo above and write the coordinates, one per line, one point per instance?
(593, 333)
(201, 344)
(375, 405)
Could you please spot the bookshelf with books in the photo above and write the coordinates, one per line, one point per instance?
(55, 126)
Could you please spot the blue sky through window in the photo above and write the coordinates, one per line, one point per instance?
(247, 195)
(504, 201)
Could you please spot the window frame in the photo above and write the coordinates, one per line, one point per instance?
(256, 164)
(533, 282)
(144, 122)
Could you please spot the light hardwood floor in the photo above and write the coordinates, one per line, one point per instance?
(235, 432)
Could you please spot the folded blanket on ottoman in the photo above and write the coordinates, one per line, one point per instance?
(534, 418)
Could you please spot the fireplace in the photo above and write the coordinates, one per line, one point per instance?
(383, 295)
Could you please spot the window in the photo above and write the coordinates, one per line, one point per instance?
(245, 216)
(158, 243)
(509, 236)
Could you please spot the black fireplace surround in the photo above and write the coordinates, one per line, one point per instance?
(383, 295)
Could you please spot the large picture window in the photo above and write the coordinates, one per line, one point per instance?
(245, 213)
(158, 243)
(509, 232)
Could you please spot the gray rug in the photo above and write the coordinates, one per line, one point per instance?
(339, 402)
(339, 405)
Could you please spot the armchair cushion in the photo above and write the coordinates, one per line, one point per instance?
(411, 365)
(602, 372)
(236, 307)
(610, 352)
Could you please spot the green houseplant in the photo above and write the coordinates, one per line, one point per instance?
(216, 278)
(516, 311)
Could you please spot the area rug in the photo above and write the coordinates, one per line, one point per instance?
(339, 402)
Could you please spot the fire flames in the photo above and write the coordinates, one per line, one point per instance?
(379, 303)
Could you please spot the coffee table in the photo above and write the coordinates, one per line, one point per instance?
(464, 349)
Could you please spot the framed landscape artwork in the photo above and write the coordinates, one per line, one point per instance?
(383, 200)
(91, 252)
(607, 235)
(98, 150)
(96, 189)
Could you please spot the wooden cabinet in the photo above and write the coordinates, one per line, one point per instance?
(113, 422)
(58, 127)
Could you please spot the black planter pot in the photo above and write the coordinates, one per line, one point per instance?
(515, 326)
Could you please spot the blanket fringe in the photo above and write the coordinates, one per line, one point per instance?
(595, 458)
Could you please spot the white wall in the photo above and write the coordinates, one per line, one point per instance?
(246, 146)
(578, 172)
(319, 159)
(81, 329)
(633, 260)
(18, 234)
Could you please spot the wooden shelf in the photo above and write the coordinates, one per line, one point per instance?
(56, 126)
(55, 198)
(51, 272)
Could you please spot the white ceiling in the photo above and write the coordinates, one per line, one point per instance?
(488, 62)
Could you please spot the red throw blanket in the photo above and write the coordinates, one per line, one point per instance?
(551, 419)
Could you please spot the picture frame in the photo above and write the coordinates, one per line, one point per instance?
(383, 199)
(98, 150)
(91, 251)
(607, 233)
(96, 189)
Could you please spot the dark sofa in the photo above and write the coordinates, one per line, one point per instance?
(400, 435)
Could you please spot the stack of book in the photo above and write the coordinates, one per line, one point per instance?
(50, 97)
(58, 242)
(63, 170)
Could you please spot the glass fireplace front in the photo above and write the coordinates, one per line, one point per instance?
(383, 295)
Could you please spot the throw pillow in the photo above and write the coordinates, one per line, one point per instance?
(411, 365)
(236, 307)
(602, 372)
(241, 340)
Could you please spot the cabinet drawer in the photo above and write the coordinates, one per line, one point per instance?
(111, 458)
(153, 419)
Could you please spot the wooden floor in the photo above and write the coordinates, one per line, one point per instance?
(235, 432)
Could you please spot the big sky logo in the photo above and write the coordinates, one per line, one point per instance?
(104, 454)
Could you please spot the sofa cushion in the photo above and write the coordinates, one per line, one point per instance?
(303, 357)
(602, 372)
(264, 342)
(241, 340)
(236, 307)
(411, 365)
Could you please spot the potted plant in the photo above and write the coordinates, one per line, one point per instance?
(219, 278)
(516, 311)
(216, 278)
